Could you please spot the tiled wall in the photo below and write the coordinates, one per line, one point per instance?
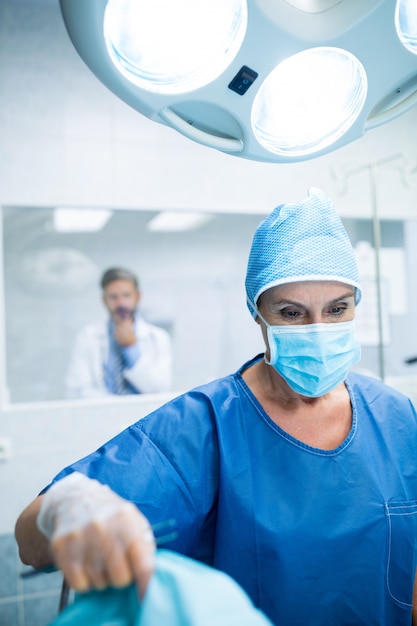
(74, 143)
(37, 454)
(45, 437)
(62, 433)
(32, 601)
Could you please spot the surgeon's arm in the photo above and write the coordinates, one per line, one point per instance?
(92, 535)
(34, 548)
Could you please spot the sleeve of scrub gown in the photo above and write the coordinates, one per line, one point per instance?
(167, 464)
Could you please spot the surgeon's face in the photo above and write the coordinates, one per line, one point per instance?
(308, 302)
(121, 298)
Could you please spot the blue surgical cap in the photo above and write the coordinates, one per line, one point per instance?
(299, 242)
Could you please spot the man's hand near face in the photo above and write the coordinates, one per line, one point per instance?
(124, 327)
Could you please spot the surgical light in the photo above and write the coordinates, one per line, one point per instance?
(308, 101)
(406, 23)
(278, 81)
(173, 47)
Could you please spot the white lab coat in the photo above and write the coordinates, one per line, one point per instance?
(151, 373)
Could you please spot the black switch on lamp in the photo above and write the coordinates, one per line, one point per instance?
(243, 80)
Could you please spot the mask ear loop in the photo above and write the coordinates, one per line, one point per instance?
(255, 311)
(267, 326)
(263, 319)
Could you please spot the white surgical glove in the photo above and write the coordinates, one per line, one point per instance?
(97, 537)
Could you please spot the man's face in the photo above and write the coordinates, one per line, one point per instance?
(121, 297)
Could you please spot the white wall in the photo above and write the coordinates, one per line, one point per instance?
(45, 438)
(65, 140)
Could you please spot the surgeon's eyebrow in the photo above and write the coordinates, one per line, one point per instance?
(287, 301)
(347, 296)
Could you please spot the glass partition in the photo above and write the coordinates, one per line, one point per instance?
(191, 272)
(192, 284)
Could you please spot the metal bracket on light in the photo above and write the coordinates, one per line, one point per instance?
(245, 90)
(225, 144)
(406, 99)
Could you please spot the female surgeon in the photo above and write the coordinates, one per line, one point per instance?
(293, 475)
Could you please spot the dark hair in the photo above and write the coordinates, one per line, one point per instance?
(118, 273)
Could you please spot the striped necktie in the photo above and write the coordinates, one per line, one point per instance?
(121, 387)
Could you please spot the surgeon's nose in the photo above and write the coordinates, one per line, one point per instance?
(316, 318)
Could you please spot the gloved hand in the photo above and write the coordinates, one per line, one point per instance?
(97, 538)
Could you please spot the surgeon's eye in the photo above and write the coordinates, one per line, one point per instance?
(339, 310)
(290, 314)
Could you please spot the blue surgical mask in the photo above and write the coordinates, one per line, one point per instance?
(313, 358)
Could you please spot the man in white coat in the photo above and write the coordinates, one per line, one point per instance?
(126, 354)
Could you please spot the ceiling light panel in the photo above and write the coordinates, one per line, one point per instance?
(178, 221)
(68, 220)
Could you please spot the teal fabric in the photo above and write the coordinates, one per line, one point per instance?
(182, 592)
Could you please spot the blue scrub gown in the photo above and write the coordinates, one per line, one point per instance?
(317, 537)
